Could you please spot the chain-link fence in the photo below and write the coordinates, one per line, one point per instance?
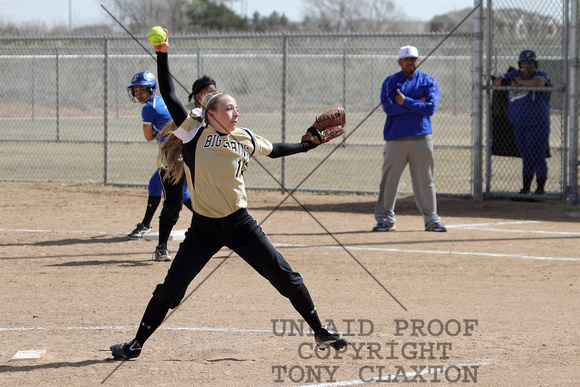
(574, 194)
(527, 116)
(66, 115)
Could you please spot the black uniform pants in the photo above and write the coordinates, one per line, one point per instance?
(239, 232)
(171, 205)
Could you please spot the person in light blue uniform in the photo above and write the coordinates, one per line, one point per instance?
(409, 98)
(155, 116)
(529, 112)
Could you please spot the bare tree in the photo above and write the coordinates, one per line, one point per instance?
(140, 15)
(353, 16)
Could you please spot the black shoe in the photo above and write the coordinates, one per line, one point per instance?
(436, 227)
(161, 253)
(326, 337)
(139, 231)
(383, 227)
(128, 350)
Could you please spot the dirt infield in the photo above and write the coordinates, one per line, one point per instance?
(492, 302)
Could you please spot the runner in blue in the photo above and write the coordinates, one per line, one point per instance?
(155, 116)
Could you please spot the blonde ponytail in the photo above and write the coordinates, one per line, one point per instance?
(170, 155)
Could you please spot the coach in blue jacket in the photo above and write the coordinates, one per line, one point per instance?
(409, 98)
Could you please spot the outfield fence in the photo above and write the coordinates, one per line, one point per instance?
(66, 115)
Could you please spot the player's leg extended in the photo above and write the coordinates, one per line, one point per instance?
(251, 243)
(193, 254)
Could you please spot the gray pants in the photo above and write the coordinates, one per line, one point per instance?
(417, 151)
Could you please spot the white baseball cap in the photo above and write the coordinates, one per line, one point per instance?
(408, 52)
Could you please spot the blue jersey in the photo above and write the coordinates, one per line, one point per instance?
(528, 108)
(155, 113)
(413, 118)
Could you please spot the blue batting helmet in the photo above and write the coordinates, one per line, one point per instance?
(143, 78)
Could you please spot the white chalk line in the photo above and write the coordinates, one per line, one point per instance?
(473, 226)
(479, 228)
(61, 231)
(125, 328)
(493, 223)
(521, 256)
(307, 333)
(115, 233)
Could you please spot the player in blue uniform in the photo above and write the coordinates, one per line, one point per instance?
(155, 116)
(201, 86)
(217, 153)
(529, 112)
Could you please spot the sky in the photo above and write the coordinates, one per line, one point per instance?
(82, 12)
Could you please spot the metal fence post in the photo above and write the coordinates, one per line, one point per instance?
(489, 56)
(573, 104)
(106, 111)
(564, 135)
(477, 104)
(33, 99)
(284, 102)
(344, 69)
(344, 66)
(57, 96)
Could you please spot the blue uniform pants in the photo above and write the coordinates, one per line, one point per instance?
(532, 142)
(169, 216)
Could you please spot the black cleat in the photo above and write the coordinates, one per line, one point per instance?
(161, 253)
(139, 231)
(326, 337)
(128, 350)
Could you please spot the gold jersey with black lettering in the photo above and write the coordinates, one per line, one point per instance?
(216, 164)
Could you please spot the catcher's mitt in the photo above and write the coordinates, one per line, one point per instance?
(327, 126)
(332, 117)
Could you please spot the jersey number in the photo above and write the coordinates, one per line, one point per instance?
(239, 171)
